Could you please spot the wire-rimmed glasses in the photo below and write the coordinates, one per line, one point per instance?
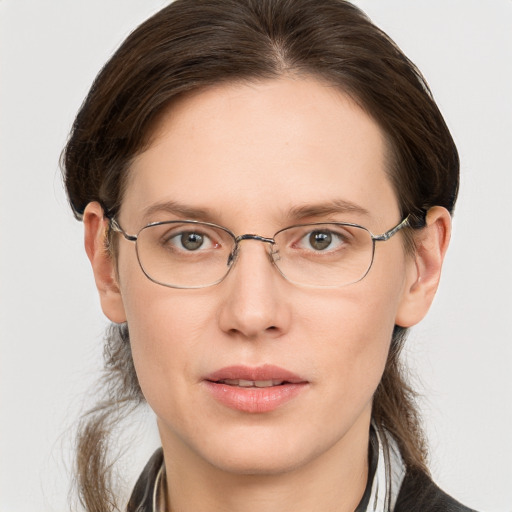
(195, 254)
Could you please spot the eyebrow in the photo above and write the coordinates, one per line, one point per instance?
(179, 210)
(335, 206)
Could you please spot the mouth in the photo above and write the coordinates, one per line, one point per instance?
(242, 383)
(254, 390)
(246, 376)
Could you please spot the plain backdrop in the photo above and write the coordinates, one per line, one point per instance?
(50, 322)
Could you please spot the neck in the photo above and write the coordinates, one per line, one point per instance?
(333, 481)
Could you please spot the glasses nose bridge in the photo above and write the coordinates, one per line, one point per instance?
(248, 236)
(259, 238)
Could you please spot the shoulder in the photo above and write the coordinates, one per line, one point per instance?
(420, 494)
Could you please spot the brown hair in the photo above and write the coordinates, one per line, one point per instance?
(193, 44)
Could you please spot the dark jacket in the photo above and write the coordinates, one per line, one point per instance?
(417, 494)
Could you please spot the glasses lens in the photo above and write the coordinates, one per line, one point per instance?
(184, 254)
(324, 255)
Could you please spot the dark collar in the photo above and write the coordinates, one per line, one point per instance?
(141, 499)
(419, 494)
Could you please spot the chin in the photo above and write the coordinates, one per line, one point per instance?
(263, 453)
(268, 463)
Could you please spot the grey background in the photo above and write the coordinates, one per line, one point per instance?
(50, 321)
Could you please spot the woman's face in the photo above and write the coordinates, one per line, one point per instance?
(256, 158)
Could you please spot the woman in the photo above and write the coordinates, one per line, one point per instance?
(266, 189)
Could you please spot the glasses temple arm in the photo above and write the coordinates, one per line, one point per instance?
(114, 226)
(388, 234)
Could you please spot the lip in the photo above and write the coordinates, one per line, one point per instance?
(254, 399)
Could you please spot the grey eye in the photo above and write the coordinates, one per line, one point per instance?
(191, 241)
(320, 240)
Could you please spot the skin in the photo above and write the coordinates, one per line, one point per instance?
(249, 154)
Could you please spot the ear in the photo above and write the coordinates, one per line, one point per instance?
(103, 266)
(424, 269)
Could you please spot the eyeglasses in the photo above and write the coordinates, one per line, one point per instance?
(193, 254)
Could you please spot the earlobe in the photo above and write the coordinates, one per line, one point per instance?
(425, 267)
(103, 266)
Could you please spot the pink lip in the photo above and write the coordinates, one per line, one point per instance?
(253, 399)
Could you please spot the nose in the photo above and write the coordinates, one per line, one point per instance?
(254, 298)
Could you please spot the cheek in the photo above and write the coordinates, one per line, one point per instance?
(167, 349)
(353, 336)
(164, 329)
(351, 330)
(165, 326)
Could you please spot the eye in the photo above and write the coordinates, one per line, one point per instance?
(191, 241)
(187, 241)
(322, 240)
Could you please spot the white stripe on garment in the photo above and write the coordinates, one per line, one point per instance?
(389, 475)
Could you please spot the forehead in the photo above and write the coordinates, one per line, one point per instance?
(244, 151)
